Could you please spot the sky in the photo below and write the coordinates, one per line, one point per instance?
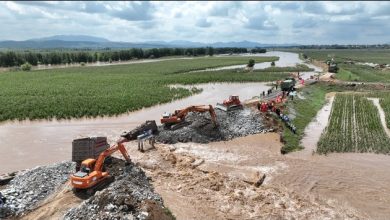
(207, 22)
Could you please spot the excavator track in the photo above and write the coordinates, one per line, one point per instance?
(86, 193)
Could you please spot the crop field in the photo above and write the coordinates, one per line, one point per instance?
(354, 126)
(355, 72)
(340, 55)
(111, 90)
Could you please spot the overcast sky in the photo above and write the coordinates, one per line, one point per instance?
(264, 22)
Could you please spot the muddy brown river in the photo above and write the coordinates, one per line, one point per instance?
(32, 143)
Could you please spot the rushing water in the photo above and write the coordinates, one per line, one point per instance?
(30, 143)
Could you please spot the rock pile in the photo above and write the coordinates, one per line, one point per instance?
(201, 130)
(32, 186)
(130, 196)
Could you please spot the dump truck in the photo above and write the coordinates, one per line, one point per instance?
(332, 66)
(89, 147)
(288, 84)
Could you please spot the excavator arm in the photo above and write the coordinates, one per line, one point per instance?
(181, 114)
(118, 146)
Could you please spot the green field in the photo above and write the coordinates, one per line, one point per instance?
(355, 71)
(305, 110)
(341, 55)
(354, 126)
(111, 90)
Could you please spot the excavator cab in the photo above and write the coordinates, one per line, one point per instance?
(91, 176)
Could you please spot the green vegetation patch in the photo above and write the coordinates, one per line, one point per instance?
(111, 90)
(305, 109)
(354, 126)
(297, 68)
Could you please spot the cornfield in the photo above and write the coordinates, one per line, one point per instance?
(354, 126)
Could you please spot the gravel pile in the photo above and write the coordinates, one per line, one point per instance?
(32, 186)
(130, 196)
(201, 130)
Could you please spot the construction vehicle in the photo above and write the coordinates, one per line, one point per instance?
(233, 103)
(89, 147)
(288, 84)
(177, 119)
(332, 66)
(91, 176)
(133, 134)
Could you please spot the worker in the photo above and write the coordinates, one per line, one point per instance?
(298, 74)
(276, 85)
(263, 93)
(277, 111)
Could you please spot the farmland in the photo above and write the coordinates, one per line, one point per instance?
(355, 71)
(354, 126)
(340, 55)
(111, 90)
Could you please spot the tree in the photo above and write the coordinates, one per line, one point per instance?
(26, 67)
(251, 63)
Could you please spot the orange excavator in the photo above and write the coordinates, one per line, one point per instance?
(91, 176)
(233, 103)
(177, 119)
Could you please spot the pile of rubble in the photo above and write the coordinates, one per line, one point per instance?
(32, 186)
(131, 196)
(201, 130)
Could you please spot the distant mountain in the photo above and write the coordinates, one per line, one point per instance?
(84, 41)
(73, 38)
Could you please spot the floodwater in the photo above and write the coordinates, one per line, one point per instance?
(26, 144)
(314, 129)
(286, 59)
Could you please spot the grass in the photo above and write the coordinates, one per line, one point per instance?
(340, 55)
(355, 72)
(354, 126)
(111, 90)
(306, 109)
(297, 68)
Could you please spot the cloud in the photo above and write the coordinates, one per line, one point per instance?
(305, 22)
(266, 22)
(260, 22)
(134, 11)
(204, 23)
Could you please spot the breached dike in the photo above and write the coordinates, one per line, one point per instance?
(232, 124)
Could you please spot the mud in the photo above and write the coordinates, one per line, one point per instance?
(201, 129)
(314, 129)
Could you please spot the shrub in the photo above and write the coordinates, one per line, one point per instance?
(272, 63)
(251, 63)
(26, 67)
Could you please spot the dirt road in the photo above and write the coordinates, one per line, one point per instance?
(55, 206)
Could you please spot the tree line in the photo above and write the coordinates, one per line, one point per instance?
(17, 58)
